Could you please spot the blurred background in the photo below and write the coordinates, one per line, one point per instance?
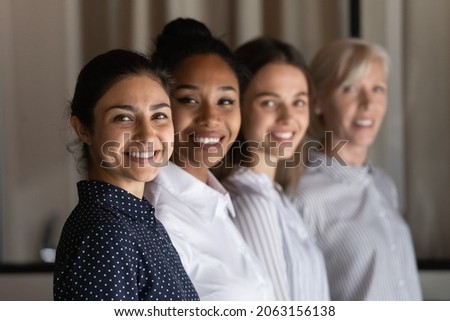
(44, 44)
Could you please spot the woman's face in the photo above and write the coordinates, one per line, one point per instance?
(275, 110)
(206, 114)
(355, 111)
(133, 133)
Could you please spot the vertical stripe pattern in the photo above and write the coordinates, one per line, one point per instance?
(352, 211)
(271, 226)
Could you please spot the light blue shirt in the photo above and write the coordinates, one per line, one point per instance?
(273, 228)
(353, 213)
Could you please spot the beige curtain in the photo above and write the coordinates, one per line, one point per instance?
(44, 43)
(134, 24)
(427, 119)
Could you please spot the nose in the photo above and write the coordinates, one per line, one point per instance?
(285, 113)
(209, 115)
(144, 132)
(365, 99)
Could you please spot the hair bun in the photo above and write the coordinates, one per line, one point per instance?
(181, 29)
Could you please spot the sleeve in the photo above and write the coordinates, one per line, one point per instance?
(102, 268)
(256, 219)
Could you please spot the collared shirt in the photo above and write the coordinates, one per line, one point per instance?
(197, 218)
(273, 228)
(113, 248)
(367, 245)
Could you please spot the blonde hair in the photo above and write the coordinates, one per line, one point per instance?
(339, 62)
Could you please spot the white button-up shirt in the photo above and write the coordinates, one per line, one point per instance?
(197, 218)
(272, 226)
(367, 245)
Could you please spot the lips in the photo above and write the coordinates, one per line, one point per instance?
(143, 157)
(364, 122)
(207, 140)
(142, 154)
(283, 135)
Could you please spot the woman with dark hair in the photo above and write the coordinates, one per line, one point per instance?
(112, 247)
(193, 205)
(275, 117)
(348, 204)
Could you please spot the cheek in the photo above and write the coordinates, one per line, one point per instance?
(180, 120)
(234, 123)
(167, 136)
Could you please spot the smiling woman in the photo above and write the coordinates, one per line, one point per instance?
(112, 247)
(191, 203)
(349, 205)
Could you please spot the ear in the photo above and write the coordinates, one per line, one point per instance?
(81, 130)
(318, 107)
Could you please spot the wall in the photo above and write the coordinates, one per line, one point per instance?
(36, 78)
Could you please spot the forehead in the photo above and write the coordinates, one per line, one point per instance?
(134, 88)
(371, 67)
(275, 72)
(200, 65)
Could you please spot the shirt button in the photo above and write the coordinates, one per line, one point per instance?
(382, 214)
(393, 247)
(401, 283)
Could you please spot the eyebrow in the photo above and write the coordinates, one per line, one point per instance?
(192, 87)
(133, 108)
(269, 93)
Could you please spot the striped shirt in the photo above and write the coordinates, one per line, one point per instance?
(272, 227)
(353, 213)
(197, 217)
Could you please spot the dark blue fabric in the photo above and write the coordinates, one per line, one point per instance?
(112, 247)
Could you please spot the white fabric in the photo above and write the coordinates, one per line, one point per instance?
(273, 228)
(214, 254)
(367, 246)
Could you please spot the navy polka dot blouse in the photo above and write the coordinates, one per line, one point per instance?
(112, 247)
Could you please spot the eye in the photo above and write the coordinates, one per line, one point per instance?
(268, 103)
(186, 100)
(299, 103)
(159, 116)
(226, 102)
(123, 118)
(348, 89)
(379, 89)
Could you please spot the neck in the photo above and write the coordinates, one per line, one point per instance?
(265, 166)
(350, 154)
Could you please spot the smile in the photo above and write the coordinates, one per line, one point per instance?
(364, 122)
(207, 140)
(143, 155)
(283, 135)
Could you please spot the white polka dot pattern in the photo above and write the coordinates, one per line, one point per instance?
(112, 247)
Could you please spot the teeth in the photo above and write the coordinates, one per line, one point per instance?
(142, 154)
(283, 135)
(207, 140)
(364, 122)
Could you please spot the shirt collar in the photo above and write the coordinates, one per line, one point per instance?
(342, 172)
(118, 199)
(195, 194)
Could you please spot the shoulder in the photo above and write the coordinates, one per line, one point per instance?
(95, 221)
(385, 185)
(381, 177)
(315, 184)
(245, 182)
